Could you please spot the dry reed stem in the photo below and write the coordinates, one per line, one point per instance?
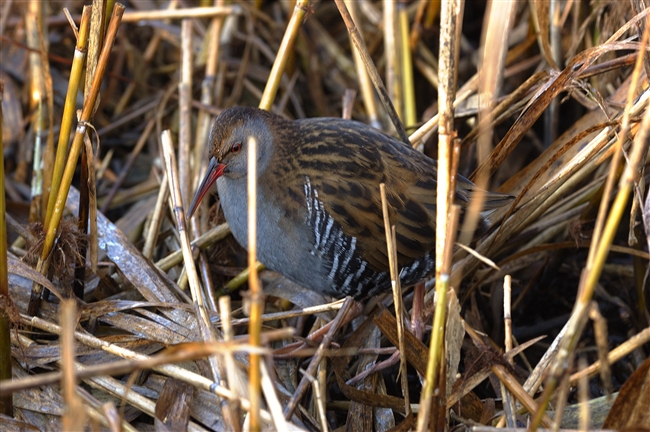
(52, 225)
(408, 84)
(73, 418)
(185, 112)
(451, 18)
(318, 356)
(231, 367)
(256, 298)
(616, 354)
(530, 237)
(69, 109)
(207, 332)
(372, 70)
(508, 401)
(397, 294)
(157, 219)
(108, 200)
(393, 71)
(282, 56)
(365, 84)
(161, 365)
(216, 234)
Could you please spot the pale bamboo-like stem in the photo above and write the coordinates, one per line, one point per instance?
(156, 220)
(508, 402)
(197, 12)
(256, 300)
(275, 408)
(408, 84)
(185, 111)
(40, 87)
(391, 47)
(150, 15)
(205, 328)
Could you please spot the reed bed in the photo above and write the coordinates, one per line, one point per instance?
(119, 313)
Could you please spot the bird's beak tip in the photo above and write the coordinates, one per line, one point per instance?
(214, 171)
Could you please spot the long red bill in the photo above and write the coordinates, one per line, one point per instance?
(215, 170)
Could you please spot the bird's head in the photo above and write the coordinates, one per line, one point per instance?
(230, 136)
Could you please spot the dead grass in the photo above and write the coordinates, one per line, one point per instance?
(558, 315)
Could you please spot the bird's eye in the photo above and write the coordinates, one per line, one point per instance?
(236, 148)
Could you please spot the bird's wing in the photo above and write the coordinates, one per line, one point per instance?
(346, 179)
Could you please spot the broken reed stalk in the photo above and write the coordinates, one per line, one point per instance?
(508, 402)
